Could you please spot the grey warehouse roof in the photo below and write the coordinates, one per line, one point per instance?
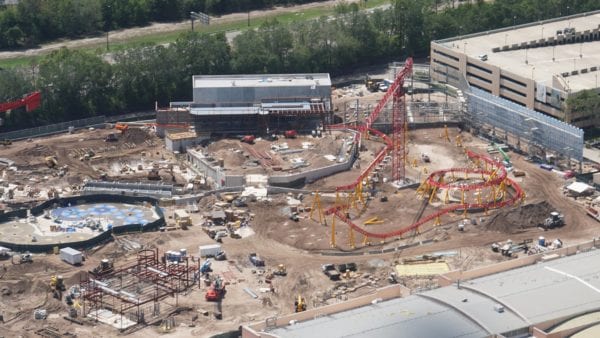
(261, 80)
(531, 294)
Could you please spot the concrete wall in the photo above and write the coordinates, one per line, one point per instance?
(224, 96)
(386, 293)
(207, 168)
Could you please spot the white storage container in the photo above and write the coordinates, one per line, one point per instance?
(209, 250)
(71, 256)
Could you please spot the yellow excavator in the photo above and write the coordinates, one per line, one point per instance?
(57, 286)
(300, 304)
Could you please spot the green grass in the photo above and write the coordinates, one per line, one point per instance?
(167, 37)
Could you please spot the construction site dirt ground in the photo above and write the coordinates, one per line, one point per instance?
(279, 240)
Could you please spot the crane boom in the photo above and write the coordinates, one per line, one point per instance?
(30, 102)
(397, 85)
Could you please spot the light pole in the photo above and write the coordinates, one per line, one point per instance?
(514, 20)
(465, 49)
(581, 50)
(532, 72)
(553, 48)
(526, 60)
(107, 24)
(192, 19)
(505, 38)
(542, 31)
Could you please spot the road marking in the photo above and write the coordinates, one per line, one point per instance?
(574, 277)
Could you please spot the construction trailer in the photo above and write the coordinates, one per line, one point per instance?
(71, 256)
(182, 218)
(135, 291)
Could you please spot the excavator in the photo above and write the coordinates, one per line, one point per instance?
(122, 127)
(216, 290)
(57, 286)
(300, 304)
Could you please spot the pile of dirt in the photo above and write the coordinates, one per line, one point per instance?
(135, 135)
(516, 219)
(38, 150)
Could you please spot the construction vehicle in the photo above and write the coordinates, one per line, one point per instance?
(300, 304)
(56, 283)
(256, 260)
(330, 271)
(51, 161)
(153, 175)
(280, 271)
(518, 173)
(205, 267)
(248, 139)
(372, 84)
(425, 158)
(5, 142)
(105, 267)
(25, 258)
(506, 161)
(290, 134)
(392, 278)
(122, 127)
(509, 249)
(216, 291)
(111, 138)
(554, 221)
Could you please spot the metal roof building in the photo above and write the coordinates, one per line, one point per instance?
(506, 304)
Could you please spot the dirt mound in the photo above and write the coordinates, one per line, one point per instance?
(135, 135)
(516, 219)
(38, 150)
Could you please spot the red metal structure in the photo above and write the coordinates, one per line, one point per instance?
(399, 126)
(494, 171)
(30, 102)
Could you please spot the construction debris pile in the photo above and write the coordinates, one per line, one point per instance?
(516, 219)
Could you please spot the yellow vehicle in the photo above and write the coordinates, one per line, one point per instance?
(300, 304)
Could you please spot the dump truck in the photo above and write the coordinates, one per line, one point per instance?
(121, 127)
(5, 142)
(330, 271)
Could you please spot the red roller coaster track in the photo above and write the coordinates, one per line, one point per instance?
(496, 173)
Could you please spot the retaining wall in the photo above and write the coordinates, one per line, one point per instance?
(86, 199)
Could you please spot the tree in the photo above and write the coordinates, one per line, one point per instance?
(75, 84)
(585, 102)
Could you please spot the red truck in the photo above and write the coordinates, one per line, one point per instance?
(290, 134)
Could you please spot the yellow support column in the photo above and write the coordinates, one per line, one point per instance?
(365, 241)
(437, 222)
(351, 239)
(433, 191)
(317, 205)
(332, 243)
(462, 197)
(447, 196)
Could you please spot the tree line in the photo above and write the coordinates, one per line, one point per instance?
(31, 22)
(77, 84)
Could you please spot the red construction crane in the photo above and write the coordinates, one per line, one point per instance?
(30, 102)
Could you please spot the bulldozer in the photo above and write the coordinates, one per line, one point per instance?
(300, 304)
(280, 271)
(104, 268)
(51, 161)
(554, 221)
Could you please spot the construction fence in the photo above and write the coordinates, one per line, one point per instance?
(96, 121)
(89, 243)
